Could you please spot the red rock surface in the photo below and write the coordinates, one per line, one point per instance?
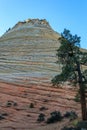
(22, 117)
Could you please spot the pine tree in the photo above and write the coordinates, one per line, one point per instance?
(72, 58)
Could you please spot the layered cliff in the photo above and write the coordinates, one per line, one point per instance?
(28, 58)
(28, 52)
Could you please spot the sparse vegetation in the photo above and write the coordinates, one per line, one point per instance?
(3, 115)
(11, 103)
(71, 59)
(15, 104)
(31, 105)
(82, 125)
(41, 117)
(8, 104)
(43, 108)
(54, 117)
(71, 115)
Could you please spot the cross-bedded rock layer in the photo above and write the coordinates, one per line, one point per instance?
(28, 52)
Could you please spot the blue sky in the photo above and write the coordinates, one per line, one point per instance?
(69, 14)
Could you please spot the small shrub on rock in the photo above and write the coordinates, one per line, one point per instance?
(55, 116)
(15, 104)
(72, 115)
(31, 105)
(9, 104)
(1, 117)
(41, 117)
(42, 108)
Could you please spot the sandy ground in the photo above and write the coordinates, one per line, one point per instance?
(19, 115)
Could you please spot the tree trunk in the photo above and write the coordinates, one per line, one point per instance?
(83, 103)
(82, 93)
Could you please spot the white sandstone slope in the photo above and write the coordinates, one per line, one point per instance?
(28, 52)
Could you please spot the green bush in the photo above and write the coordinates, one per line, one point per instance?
(41, 117)
(71, 115)
(82, 124)
(54, 117)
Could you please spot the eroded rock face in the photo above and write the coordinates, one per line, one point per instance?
(36, 22)
(28, 52)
